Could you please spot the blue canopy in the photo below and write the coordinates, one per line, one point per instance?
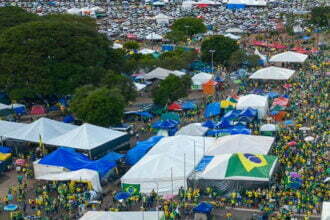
(203, 207)
(122, 195)
(188, 105)
(112, 156)
(235, 6)
(212, 109)
(167, 124)
(140, 149)
(5, 150)
(68, 119)
(209, 124)
(249, 112)
(75, 161)
(224, 123)
(229, 131)
(232, 115)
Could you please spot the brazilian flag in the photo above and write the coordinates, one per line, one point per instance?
(133, 189)
(250, 165)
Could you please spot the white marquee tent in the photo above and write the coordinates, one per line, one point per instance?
(154, 36)
(86, 137)
(193, 129)
(241, 143)
(273, 73)
(289, 57)
(139, 86)
(79, 175)
(325, 211)
(161, 73)
(43, 128)
(254, 101)
(199, 79)
(7, 127)
(233, 36)
(103, 215)
(162, 19)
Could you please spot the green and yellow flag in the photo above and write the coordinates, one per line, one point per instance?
(133, 189)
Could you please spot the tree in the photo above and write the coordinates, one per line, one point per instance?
(171, 89)
(131, 45)
(176, 36)
(122, 83)
(52, 57)
(253, 60)
(177, 59)
(237, 58)
(223, 47)
(189, 26)
(100, 106)
(321, 16)
(12, 16)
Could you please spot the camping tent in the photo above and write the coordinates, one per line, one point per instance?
(325, 211)
(43, 130)
(167, 164)
(241, 143)
(161, 74)
(234, 171)
(254, 101)
(193, 129)
(103, 215)
(7, 127)
(289, 57)
(162, 19)
(79, 175)
(273, 73)
(199, 79)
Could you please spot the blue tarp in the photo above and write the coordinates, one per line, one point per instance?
(249, 112)
(231, 115)
(122, 195)
(188, 105)
(112, 156)
(235, 6)
(5, 150)
(75, 161)
(257, 92)
(203, 207)
(229, 131)
(167, 124)
(68, 119)
(273, 95)
(203, 163)
(144, 114)
(167, 47)
(219, 79)
(21, 110)
(209, 124)
(224, 123)
(140, 149)
(212, 109)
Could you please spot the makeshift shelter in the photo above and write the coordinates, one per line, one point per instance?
(94, 139)
(19, 109)
(273, 73)
(241, 143)
(74, 11)
(162, 19)
(209, 87)
(187, 4)
(42, 130)
(260, 103)
(203, 207)
(325, 210)
(166, 166)
(199, 79)
(161, 74)
(103, 215)
(193, 129)
(83, 175)
(235, 172)
(38, 110)
(289, 57)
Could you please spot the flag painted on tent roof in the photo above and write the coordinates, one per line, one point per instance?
(133, 189)
(250, 165)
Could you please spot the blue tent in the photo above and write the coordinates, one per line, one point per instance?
(167, 124)
(249, 112)
(112, 156)
(228, 131)
(235, 6)
(231, 115)
(140, 149)
(212, 109)
(75, 161)
(5, 150)
(20, 110)
(203, 207)
(219, 79)
(68, 119)
(209, 124)
(188, 105)
(224, 123)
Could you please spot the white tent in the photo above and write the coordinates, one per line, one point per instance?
(146, 51)
(268, 127)
(169, 161)
(199, 79)
(162, 19)
(187, 4)
(86, 137)
(154, 36)
(241, 143)
(325, 211)
(255, 2)
(43, 128)
(273, 73)
(74, 11)
(161, 73)
(254, 101)
(289, 57)
(103, 215)
(117, 46)
(263, 57)
(78, 175)
(139, 86)
(234, 30)
(193, 129)
(7, 127)
(4, 107)
(233, 36)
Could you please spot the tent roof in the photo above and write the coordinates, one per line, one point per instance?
(289, 57)
(86, 137)
(201, 78)
(235, 30)
(161, 73)
(7, 127)
(241, 143)
(251, 100)
(162, 16)
(102, 215)
(273, 73)
(43, 127)
(193, 129)
(146, 50)
(139, 86)
(325, 210)
(154, 36)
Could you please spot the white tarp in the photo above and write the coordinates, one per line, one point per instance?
(200, 78)
(146, 51)
(241, 143)
(169, 162)
(325, 211)
(187, 4)
(268, 127)
(78, 175)
(42, 169)
(263, 57)
(43, 127)
(254, 101)
(233, 36)
(4, 107)
(139, 86)
(234, 30)
(103, 215)
(289, 57)
(86, 137)
(7, 126)
(117, 46)
(193, 129)
(74, 11)
(161, 73)
(273, 73)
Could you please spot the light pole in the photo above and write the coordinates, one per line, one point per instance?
(212, 52)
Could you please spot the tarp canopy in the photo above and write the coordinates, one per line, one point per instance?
(254, 101)
(78, 175)
(188, 105)
(289, 57)
(212, 109)
(228, 131)
(112, 156)
(166, 124)
(161, 74)
(325, 210)
(201, 78)
(44, 129)
(7, 127)
(193, 129)
(86, 137)
(232, 36)
(103, 215)
(241, 143)
(249, 112)
(273, 73)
